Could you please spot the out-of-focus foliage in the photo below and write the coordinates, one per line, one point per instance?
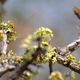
(31, 44)
(39, 38)
(42, 36)
(2, 10)
(56, 75)
(2, 1)
(79, 63)
(78, 27)
(72, 75)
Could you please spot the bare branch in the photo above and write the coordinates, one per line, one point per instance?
(5, 64)
(62, 52)
(4, 43)
(6, 68)
(69, 48)
(73, 66)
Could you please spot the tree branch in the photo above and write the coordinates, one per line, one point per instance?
(73, 66)
(19, 71)
(69, 48)
(6, 68)
(62, 52)
(4, 43)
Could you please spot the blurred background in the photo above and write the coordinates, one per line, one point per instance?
(58, 15)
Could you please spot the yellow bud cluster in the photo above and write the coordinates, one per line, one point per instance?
(44, 32)
(69, 59)
(10, 30)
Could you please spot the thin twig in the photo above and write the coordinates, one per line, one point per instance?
(50, 66)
